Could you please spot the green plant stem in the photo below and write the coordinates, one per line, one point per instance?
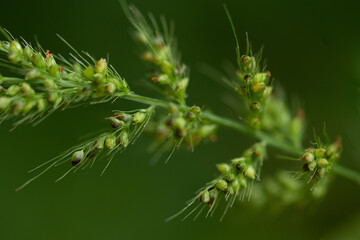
(238, 126)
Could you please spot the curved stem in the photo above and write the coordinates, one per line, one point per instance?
(240, 127)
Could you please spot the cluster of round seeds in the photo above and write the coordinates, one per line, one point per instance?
(124, 125)
(234, 176)
(254, 87)
(319, 161)
(43, 84)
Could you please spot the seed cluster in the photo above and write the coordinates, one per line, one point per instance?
(234, 176)
(160, 54)
(318, 161)
(126, 126)
(43, 85)
(254, 88)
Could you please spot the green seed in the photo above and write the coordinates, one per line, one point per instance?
(139, 117)
(101, 66)
(250, 172)
(28, 53)
(29, 106)
(89, 72)
(41, 105)
(124, 139)
(322, 163)
(110, 142)
(221, 185)
(319, 153)
(27, 90)
(5, 103)
(77, 157)
(223, 167)
(205, 196)
(13, 90)
(308, 157)
(38, 60)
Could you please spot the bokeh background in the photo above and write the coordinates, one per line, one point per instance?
(312, 49)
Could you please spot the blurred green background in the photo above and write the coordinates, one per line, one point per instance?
(313, 50)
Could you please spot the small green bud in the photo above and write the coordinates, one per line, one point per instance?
(207, 130)
(255, 105)
(267, 91)
(257, 87)
(235, 186)
(312, 166)
(29, 106)
(18, 106)
(245, 59)
(99, 79)
(5, 103)
(32, 74)
(223, 167)
(55, 71)
(110, 88)
(322, 163)
(213, 196)
(250, 172)
(329, 153)
(319, 153)
(221, 185)
(141, 37)
(52, 97)
(124, 139)
(308, 157)
(162, 79)
(58, 101)
(77, 157)
(190, 116)
(89, 72)
(48, 83)
(28, 53)
(110, 142)
(261, 77)
(50, 62)
(205, 196)
(139, 117)
(13, 90)
(248, 78)
(195, 110)
(183, 83)
(242, 181)
(27, 90)
(5, 45)
(16, 46)
(179, 122)
(101, 66)
(38, 60)
(230, 177)
(116, 123)
(41, 105)
(14, 57)
(123, 116)
(99, 144)
(147, 56)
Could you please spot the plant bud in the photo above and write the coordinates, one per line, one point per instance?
(13, 90)
(124, 139)
(207, 130)
(49, 84)
(32, 74)
(27, 90)
(29, 106)
(319, 153)
(14, 57)
(258, 87)
(312, 166)
(77, 157)
(230, 177)
(41, 105)
(267, 91)
(55, 71)
(99, 79)
(322, 163)
(101, 66)
(205, 196)
(261, 77)
(5, 103)
(147, 56)
(190, 116)
(123, 116)
(245, 59)
(16, 46)
(329, 153)
(18, 106)
(248, 78)
(221, 185)
(110, 142)
(250, 172)
(141, 37)
(116, 123)
(52, 97)
(223, 167)
(195, 110)
(50, 62)
(38, 60)
(179, 122)
(235, 185)
(242, 181)
(213, 196)
(89, 72)
(5, 45)
(99, 144)
(255, 105)
(110, 88)
(183, 83)
(308, 157)
(139, 117)
(28, 53)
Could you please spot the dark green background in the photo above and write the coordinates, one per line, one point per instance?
(313, 50)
